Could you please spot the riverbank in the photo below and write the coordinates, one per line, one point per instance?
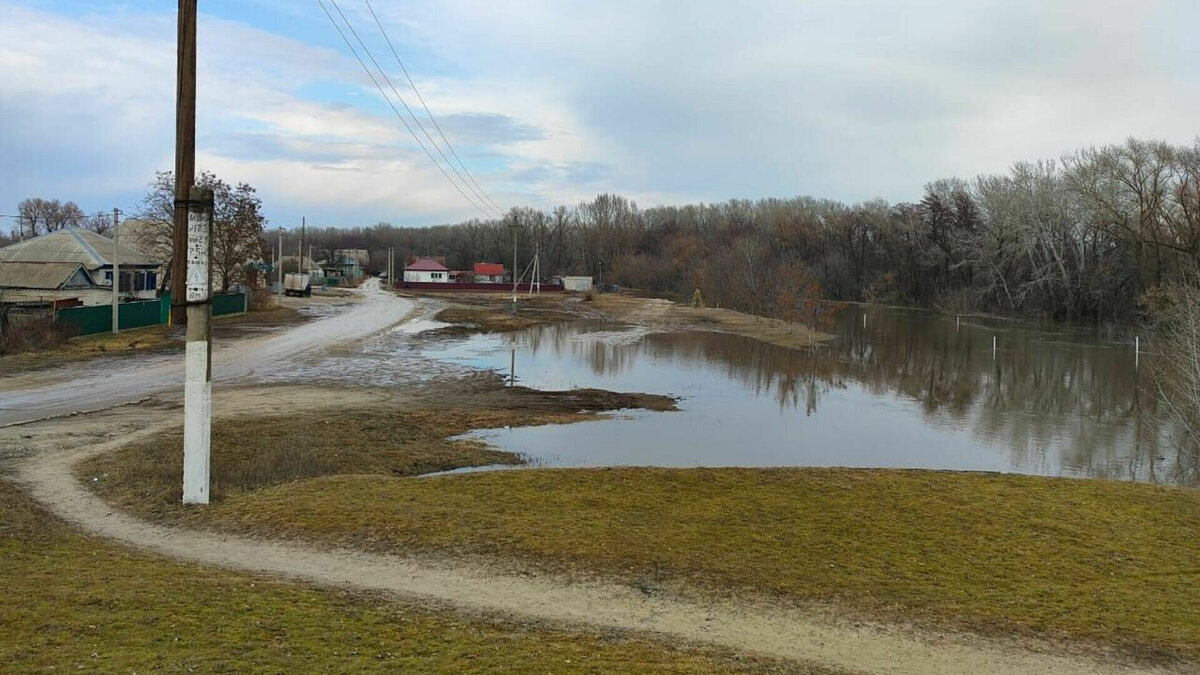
(493, 312)
(1107, 567)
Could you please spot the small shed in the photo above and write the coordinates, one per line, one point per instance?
(577, 284)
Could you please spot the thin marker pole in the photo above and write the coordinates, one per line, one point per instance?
(993, 347)
(116, 285)
(1137, 351)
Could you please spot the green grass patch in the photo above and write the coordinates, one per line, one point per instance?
(71, 602)
(1115, 564)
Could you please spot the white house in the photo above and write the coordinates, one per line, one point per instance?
(94, 253)
(427, 270)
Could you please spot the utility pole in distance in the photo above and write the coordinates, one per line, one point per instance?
(185, 151)
(116, 285)
(197, 386)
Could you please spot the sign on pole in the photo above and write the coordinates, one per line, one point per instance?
(197, 386)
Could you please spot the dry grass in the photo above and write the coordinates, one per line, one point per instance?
(137, 341)
(70, 602)
(249, 454)
(1105, 563)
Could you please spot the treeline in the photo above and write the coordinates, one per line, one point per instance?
(1081, 238)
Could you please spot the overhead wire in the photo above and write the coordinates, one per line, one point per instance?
(392, 105)
(478, 188)
(404, 103)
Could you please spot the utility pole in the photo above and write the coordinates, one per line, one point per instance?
(516, 280)
(280, 265)
(300, 264)
(185, 151)
(116, 286)
(197, 384)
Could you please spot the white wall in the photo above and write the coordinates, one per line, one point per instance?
(418, 276)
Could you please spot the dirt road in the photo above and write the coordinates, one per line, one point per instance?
(104, 383)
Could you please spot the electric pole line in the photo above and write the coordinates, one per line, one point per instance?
(185, 151)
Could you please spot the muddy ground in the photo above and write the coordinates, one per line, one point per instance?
(493, 312)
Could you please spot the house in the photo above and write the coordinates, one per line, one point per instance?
(53, 282)
(426, 270)
(488, 273)
(140, 274)
(346, 264)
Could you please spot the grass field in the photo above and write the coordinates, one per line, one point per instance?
(70, 602)
(1111, 564)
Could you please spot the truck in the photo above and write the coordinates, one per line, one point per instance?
(297, 285)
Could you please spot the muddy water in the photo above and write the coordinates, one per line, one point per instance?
(908, 389)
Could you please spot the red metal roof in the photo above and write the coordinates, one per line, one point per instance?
(427, 265)
(490, 269)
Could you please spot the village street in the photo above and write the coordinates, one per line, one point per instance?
(108, 382)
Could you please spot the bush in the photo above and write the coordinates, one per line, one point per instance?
(32, 334)
(261, 299)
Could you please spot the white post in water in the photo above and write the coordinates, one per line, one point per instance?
(197, 386)
(1137, 351)
(993, 347)
(957, 322)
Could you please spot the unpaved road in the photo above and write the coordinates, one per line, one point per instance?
(92, 386)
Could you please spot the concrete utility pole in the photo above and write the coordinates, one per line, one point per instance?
(197, 387)
(116, 286)
(300, 262)
(516, 280)
(185, 151)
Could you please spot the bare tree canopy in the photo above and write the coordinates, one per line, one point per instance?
(238, 224)
(41, 216)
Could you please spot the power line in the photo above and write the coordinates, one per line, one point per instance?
(404, 103)
(478, 188)
(397, 111)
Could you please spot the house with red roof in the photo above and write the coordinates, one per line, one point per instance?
(488, 273)
(427, 270)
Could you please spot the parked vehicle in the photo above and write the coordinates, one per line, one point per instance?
(297, 285)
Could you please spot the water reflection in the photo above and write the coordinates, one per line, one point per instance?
(902, 388)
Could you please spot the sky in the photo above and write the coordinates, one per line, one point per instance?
(551, 102)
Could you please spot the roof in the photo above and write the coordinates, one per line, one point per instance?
(490, 269)
(43, 276)
(74, 245)
(426, 265)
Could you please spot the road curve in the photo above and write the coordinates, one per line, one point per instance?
(102, 384)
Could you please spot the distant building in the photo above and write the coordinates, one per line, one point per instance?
(426, 270)
(93, 253)
(488, 273)
(576, 284)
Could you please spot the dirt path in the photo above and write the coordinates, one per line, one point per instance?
(48, 450)
(101, 384)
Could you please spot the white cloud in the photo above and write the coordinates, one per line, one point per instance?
(553, 101)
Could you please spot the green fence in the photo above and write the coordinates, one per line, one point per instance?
(230, 303)
(98, 318)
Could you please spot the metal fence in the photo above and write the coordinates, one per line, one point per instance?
(98, 318)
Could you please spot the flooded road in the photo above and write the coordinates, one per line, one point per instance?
(103, 383)
(909, 389)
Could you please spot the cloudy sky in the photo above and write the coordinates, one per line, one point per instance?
(554, 101)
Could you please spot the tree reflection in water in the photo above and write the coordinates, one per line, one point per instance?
(1049, 389)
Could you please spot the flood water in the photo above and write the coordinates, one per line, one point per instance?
(909, 389)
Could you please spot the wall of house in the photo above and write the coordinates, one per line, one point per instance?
(426, 277)
(88, 296)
